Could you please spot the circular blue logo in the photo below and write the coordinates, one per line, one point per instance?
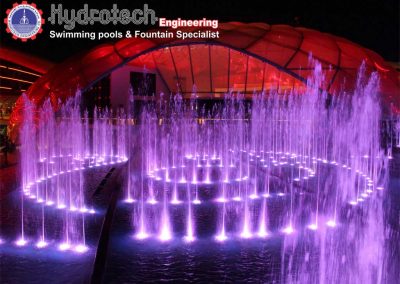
(24, 21)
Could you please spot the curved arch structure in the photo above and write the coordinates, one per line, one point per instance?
(280, 47)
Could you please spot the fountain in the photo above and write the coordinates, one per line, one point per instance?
(54, 156)
(304, 166)
(300, 165)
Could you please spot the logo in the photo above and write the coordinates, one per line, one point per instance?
(24, 21)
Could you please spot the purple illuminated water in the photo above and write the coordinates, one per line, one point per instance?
(306, 167)
(318, 155)
(54, 156)
(397, 131)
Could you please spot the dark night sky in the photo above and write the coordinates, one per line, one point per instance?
(371, 23)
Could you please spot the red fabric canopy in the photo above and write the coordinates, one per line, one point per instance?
(246, 57)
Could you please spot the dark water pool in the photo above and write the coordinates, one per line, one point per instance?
(151, 261)
(207, 261)
(204, 261)
(29, 264)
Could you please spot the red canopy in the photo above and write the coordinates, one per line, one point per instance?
(246, 57)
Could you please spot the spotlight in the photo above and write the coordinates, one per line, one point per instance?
(21, 242)
(41, 244)
(83, 210)
(152, 201)
(253, 196)
(64, 246)
(141, 236)
(288, 230)
(176, 201)
(129, 200)
(81, 248)
(165, 236)
(188, 239)
(221, 199)
(313, 227)
(61, 206)
(331, 223)
(246, 235)
(262, 234)
(221, 237)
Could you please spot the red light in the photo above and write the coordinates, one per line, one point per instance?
(15, 79)
(380, 68)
